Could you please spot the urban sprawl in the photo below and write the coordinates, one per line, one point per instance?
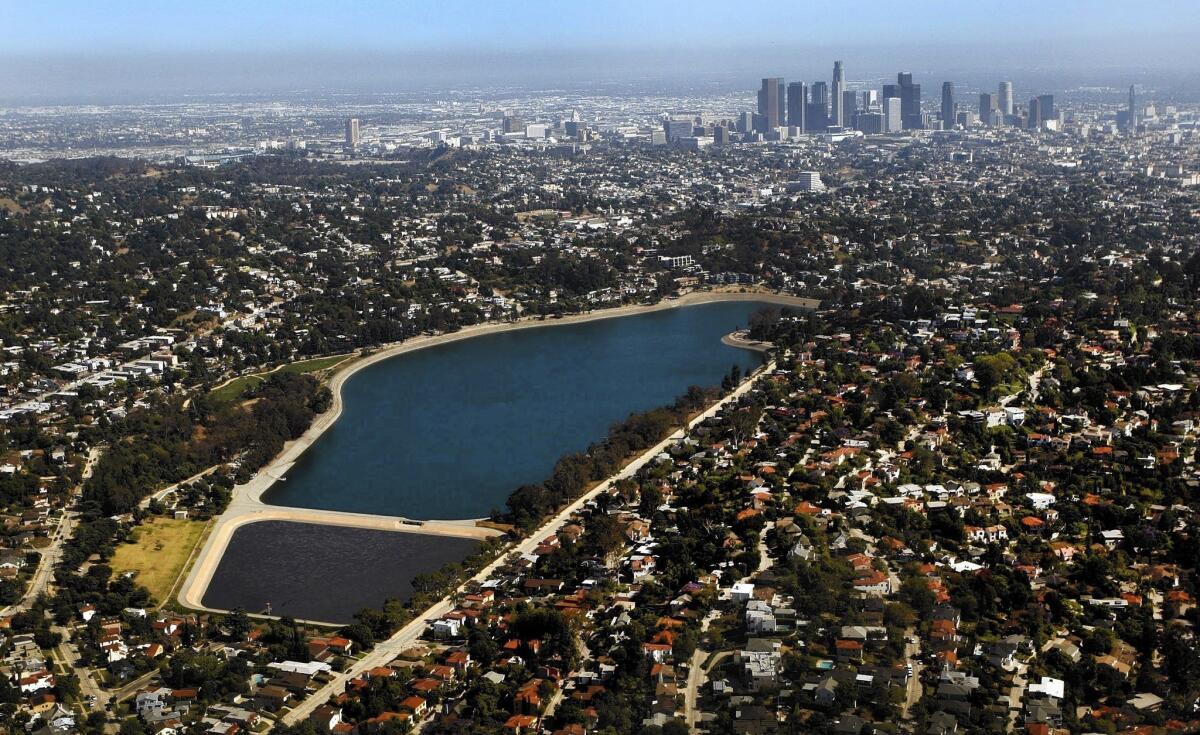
(959, 496)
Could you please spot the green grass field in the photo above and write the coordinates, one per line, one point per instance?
(159, 553)
(237, 387)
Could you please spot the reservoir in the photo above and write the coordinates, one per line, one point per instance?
(324, 573)
(450, 431)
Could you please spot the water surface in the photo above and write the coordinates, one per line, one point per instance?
(449, 431)
(324, 573)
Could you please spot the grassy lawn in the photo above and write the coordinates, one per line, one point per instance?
(234, 389)
(159, 553)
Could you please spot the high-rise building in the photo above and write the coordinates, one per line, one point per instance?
(910, 101)
(817, 116)
(769, 104)
(949, 113)
(849, 107)
(1132, 112)
(839, 86)
(1006, 98)
(797, 103)
(1041, 111)
(987, 107)
(1046, 103)
(353, 136)
(893, 119)
(745, 122)
(870, 99)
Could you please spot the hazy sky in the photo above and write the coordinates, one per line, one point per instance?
(93, 47)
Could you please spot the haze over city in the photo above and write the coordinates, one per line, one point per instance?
(82, 51)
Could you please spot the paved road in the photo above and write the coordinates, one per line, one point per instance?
(68, 657)
(696, 673)
(45, 568)
(159, 495)
(696, 676)
(51, 555)
(133, 687)
(1015, 695)
(407, 636)
(1035, 381)
(912, 650)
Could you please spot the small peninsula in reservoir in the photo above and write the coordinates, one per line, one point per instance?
(450, 431)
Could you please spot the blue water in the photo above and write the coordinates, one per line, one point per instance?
(450, 431)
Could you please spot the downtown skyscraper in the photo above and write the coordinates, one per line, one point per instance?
(838, 117)
(910, 102)
(817, 116)
(770, 108)
(987, 108)
(1006, 99)
(1131, 113)
(797, 105)
(949, 111)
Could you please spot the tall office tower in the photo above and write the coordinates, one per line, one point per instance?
(893, 119)
(987, 107)
(870, 99)
(849, 107)
(1133, 116)
(745, 122)
(353, 137)
(782, 122)
(1046, 111)
(797, 102)
(817, 116)
(1034, 120)
(839, 86)
(910, 101)
(890, 91)
(768, 104)
(1006, 98)
(949, 113)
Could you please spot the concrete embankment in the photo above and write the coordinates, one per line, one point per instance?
(196, 585)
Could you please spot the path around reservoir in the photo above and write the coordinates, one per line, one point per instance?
(247, 505)
(388, 650)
